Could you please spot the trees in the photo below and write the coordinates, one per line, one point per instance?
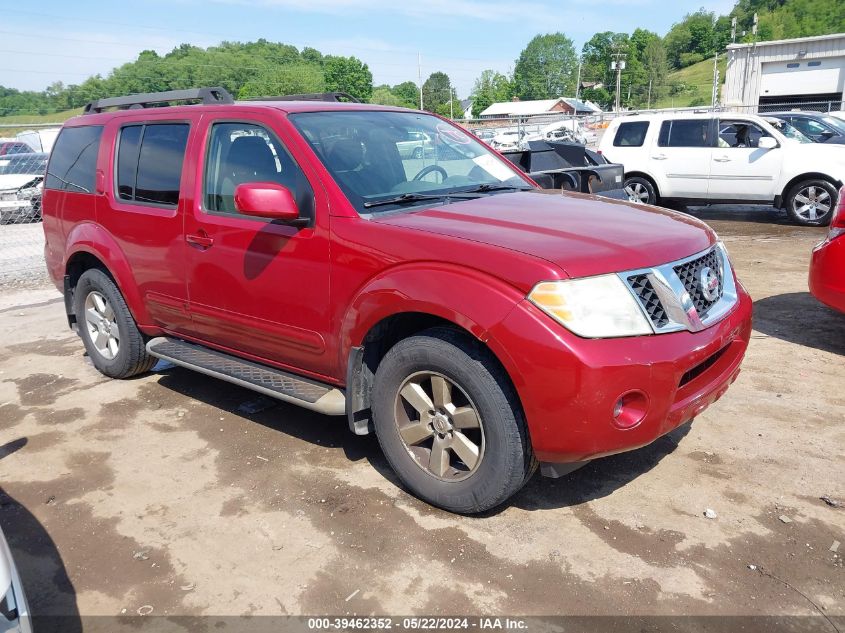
(692, 39)
(409, 93)
(546, 68)
(348, 74)
(490, 87)
(437, 91)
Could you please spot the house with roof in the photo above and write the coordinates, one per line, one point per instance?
(538, 107)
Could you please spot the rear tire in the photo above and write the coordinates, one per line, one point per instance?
(640, 190)
(463, 444)
(811, 202)
(111, 337)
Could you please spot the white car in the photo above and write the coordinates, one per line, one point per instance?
(509, 141)
(21, 182)
(14, 611)
(716, 158)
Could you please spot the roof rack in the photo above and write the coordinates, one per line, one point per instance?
(207, 96)
(311, 96)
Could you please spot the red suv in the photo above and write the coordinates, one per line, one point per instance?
(827, 267)
(438, 299)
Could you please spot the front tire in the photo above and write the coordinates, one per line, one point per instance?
(111, 337)
(811, 202)
(640, 190)
(450, 423)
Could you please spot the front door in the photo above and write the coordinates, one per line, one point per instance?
(741, 169)
(257, 287)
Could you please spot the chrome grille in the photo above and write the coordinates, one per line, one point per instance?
(671, 297)
(689, 272)
(641, 285)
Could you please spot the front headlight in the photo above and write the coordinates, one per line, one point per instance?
(593, 307)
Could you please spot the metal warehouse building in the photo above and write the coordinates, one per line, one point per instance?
(808, 71)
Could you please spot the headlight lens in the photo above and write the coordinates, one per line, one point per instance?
(593, 307)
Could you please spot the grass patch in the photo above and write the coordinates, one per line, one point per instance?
(26, 120)
(694, 85)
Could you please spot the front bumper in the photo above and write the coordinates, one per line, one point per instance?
(569, 386)
(827, 273)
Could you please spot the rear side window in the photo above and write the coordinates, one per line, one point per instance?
(149, 162)
(685, 133)
(631, 134)
(73, 163)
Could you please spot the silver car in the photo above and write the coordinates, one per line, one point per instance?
(14, 611)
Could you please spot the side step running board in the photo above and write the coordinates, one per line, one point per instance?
(267, 380)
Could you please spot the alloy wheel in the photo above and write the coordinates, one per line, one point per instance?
(812, 203)
(439, 426)
(100, 320)
(637, 192)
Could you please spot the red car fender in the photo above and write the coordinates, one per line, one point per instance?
(468, 298)
(93, 239)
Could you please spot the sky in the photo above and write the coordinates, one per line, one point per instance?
(55, 40)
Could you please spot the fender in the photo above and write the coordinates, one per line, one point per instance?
(93, 239)
(469, 298)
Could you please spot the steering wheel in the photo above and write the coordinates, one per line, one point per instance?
(425, 171)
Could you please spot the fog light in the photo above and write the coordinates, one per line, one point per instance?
(630, 409)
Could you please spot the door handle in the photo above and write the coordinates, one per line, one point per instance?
(722, 159)
(201, 239)
(660, 157)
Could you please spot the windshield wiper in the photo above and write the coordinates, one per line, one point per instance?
(67, 182)
(408, 198)
(493, 187)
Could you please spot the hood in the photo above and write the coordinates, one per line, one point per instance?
(15, 181)
(584, 235)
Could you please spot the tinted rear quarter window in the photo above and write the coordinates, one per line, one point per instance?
(685, 133)
(631, 134)
(73, 163)
(149, 162)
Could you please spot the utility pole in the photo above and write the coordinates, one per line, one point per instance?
(419, 76)
(733, 30)
(618, 64)
(578, 83)
(715, 99)
(648, 107)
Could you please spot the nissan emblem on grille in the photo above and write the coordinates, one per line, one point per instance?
(708, 280)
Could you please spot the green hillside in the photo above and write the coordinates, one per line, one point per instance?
(24, 119)
(690, 86)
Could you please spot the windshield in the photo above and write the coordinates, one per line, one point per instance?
(836, 124)
(376, 156)
(788, 131)
(34, 164)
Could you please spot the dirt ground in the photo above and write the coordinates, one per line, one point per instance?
(166, 492)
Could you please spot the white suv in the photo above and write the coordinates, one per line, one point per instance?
(715, 158)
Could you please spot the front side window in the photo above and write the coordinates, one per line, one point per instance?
(149, 162)
(240, 153)
(631, 134)
(380, 156)
(685, 133)
(741, 134)
(73, 163)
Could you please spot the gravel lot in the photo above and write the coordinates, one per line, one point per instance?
(165, 492)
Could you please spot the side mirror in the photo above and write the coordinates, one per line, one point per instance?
(767, 142)
(267, 200)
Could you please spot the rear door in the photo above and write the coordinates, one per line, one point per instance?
(741, 169)
(681, 157)
(143, 209)
(256, 286)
